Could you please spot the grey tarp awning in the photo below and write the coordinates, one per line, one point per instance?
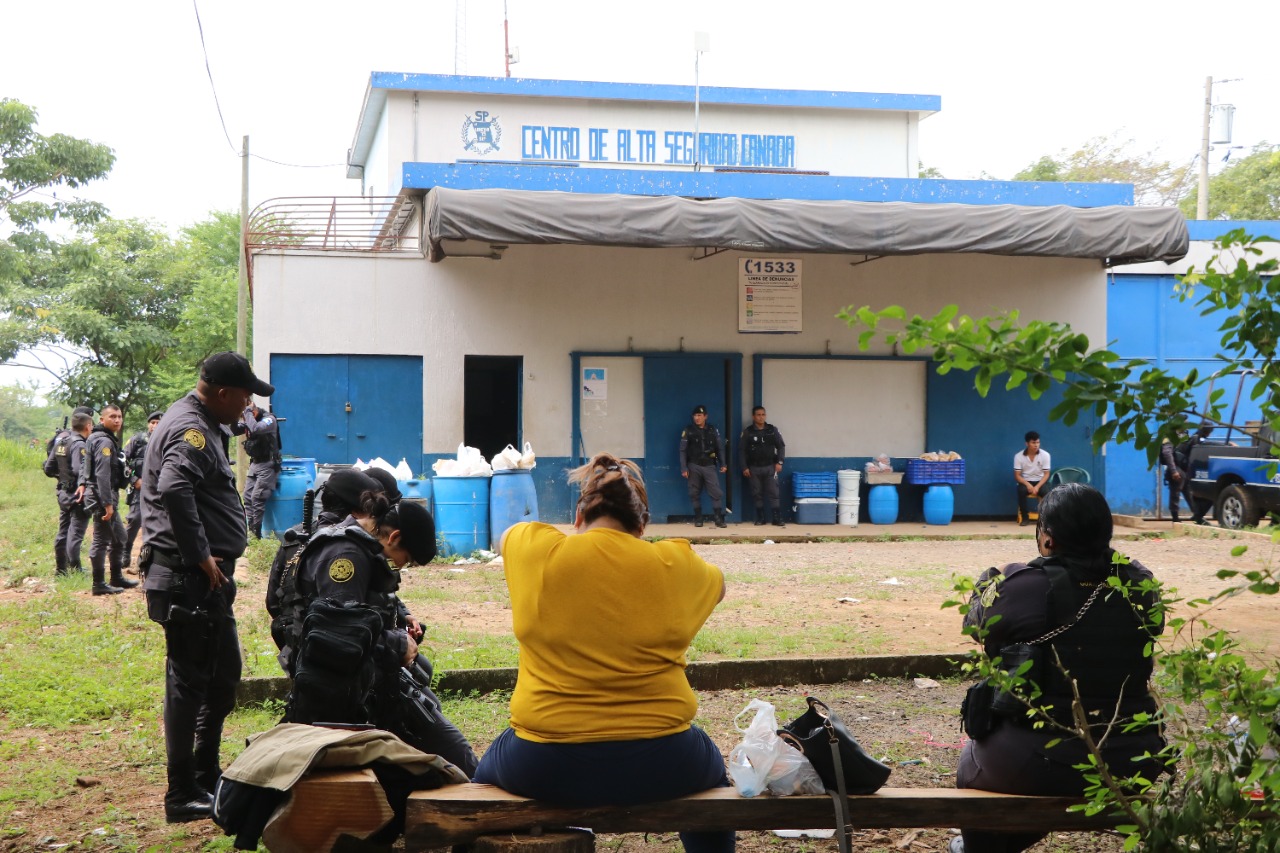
(499, 216)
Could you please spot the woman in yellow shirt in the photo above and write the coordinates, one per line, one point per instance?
(602, 713)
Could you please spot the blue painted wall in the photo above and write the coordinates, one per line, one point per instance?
(568, 178)
(988, 431)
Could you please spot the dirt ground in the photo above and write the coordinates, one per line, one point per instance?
(889, 592)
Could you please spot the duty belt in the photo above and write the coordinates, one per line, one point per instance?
(151, 555)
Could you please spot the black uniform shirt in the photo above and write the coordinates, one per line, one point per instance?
(102, 468)
(189, 498)
(700, 445)
(69, 450)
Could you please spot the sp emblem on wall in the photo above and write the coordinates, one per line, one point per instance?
(481, 133)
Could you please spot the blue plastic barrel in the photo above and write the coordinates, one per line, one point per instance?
(512, 499)
(284, 506)
(882, 504)
(462, 513)
(306, 462)
(939, 505)
(418, 491)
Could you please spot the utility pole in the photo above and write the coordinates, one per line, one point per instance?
(506, 39)
(1202, 193)
(242, 300)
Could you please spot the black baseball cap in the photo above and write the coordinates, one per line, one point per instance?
(417, 530)
(232, 370)
(155, 416)
(387, 483)
(699, 410)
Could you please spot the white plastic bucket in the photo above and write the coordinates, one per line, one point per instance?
(847, 482)
(847, 512)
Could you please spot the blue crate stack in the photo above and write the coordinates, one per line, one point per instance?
(815, 496)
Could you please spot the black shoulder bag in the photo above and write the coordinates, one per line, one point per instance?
(839, 759)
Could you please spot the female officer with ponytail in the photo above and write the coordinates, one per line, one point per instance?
(354, 568)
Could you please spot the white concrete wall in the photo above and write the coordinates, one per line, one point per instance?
(878, 143)
(543, 302)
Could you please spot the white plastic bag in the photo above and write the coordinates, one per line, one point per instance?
(528, 459)
(403, 471)
(764, 760)
(506, 459)
(469, 463)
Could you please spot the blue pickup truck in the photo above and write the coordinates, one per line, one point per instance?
(1236, 481)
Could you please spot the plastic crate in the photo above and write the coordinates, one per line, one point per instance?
(816, 511)
(921, 472)
(821, 484)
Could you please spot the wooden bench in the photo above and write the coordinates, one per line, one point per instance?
(464, 814)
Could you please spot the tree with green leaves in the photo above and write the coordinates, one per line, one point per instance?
(103, 316)
(1220, 708)
(1247, 189)
(32, 167)
(1103, 160)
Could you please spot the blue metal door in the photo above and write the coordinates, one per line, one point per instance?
(311, 394)
(673, 385)
(386, 409)
(343, 407)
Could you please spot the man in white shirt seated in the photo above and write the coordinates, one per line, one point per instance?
(1031, 471)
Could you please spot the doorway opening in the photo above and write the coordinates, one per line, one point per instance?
(491, 402)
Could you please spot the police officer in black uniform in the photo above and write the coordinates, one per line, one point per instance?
(761, 452)
(102, 475)
(193, 531)
(339, 498)
(702, 463)
(262, 443)
(1060, 607)
(66, 456)
(135, 451)
(359, 563)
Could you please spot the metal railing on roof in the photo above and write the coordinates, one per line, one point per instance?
(335, 224)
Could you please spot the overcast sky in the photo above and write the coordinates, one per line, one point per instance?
(1017, 80)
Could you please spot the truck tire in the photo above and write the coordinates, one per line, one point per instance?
(1237, 508)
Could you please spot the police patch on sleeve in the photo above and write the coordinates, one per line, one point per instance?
(341, 571)
(990, 593)
(195, 438)
(106, 451)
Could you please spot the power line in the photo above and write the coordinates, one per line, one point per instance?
(209, 71)
(298, 165)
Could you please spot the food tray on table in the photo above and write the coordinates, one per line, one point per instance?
(921, 472)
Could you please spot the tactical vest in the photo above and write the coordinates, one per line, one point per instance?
(762, 445)
(701, 445)
(334, 672)
(295, 598)
(137, 452)
(265, 446)
(67, 472)
(1102, 652)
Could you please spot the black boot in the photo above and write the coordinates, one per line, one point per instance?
(187, 802)
(100, 585)
(60, 563)
(777, 518)
(697, 519)
(720, 518)
(118, 579)
(759, 516)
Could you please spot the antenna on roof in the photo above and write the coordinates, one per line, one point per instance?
(701, 45)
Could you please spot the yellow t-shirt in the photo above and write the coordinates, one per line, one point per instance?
(604, 620)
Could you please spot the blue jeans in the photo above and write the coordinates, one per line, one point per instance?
(611, 773)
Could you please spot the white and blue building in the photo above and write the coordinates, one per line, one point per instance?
(1147, 320)
(517, 264)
